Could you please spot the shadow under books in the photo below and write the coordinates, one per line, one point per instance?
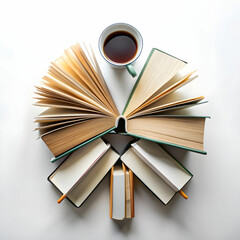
(123, 225)
(169, 210)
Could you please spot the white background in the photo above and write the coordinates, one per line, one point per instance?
(205, 33)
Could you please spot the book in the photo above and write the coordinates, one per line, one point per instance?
(117, 193)
(156, 168)
(81, 109)
(81, 172)
(121, 193)
(129, 193)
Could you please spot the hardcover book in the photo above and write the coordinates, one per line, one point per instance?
(80, 107)
(121, 193)
(81, 115)
(156, 168)
(83, 170)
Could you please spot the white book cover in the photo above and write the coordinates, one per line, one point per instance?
(76, 166)
(118, 193)
(151, 179)
(162, 163)
(82, 190)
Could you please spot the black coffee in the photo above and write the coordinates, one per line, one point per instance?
(120, 47)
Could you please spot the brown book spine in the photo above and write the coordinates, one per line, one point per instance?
(111, 193)
(124, 170)
(132, 193)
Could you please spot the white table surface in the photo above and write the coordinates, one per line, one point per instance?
(205, 33)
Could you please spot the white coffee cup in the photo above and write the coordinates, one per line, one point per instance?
(116, 30)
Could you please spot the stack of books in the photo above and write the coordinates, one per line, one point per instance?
(81, 114)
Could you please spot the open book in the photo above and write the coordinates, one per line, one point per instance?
(80, 107)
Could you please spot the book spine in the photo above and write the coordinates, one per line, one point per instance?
(111, 193)
(124, 171)
(131, 193)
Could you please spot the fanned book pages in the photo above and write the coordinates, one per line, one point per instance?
(80, 107)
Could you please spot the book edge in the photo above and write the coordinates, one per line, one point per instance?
(54, 159)
(168, 143)
(111, 193)
(170, 55)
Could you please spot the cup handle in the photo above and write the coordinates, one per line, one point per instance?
(131, 70)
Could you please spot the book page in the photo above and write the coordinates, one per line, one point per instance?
(61, 113)
(72, 82)
(169, 102)
(166, 92)
(59, 103)
(56, 124)
(181, 74)
(160, 68)
(97, 82)
(46, 92)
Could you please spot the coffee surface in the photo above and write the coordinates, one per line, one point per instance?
(120, 47)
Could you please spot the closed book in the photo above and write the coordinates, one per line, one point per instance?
(83, 170)
(121, 193)
(157, 169)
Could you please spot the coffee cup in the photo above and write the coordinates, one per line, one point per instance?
(120, 45)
